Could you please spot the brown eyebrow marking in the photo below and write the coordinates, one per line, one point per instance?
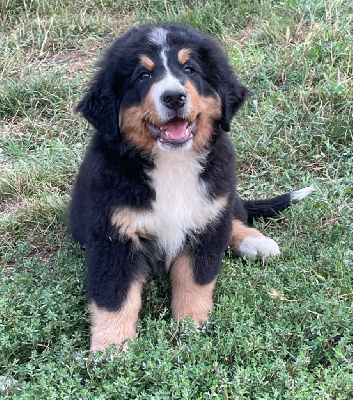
(184, 55)
(146, 62)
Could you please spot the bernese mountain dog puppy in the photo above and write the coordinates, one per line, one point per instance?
(157, 188)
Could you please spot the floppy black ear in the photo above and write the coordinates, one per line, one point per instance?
(223, 78)
(100, 106)
(233, 95)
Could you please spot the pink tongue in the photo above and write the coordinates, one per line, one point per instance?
(175, 129)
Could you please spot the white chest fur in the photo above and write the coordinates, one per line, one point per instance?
(181, 207)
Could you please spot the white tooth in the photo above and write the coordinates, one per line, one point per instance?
(166, 133)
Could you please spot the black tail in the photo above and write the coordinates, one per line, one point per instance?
(265, 208)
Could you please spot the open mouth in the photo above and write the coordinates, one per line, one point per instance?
(176, 131)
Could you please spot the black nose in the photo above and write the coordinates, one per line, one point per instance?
(174, 99)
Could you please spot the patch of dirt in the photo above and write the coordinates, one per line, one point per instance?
(246, 35)
(15, 127)
(10, 205)
(329, 221)
(77, 60)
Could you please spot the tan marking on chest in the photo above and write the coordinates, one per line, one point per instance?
(126, 220)
(181, 207)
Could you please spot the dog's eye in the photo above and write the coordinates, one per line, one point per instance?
(188, 69)
(144, 76)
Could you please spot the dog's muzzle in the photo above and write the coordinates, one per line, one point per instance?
(175, 131)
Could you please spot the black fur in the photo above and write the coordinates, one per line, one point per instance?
(266, 208)
(115, 173)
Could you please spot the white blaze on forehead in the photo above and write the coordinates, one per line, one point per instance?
(164, 59)
(169, 82)
(158, 36)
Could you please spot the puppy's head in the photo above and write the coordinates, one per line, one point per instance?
(167, 86)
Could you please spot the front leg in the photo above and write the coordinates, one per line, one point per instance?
(189, 299)
(114, 326)
(194, 272)
(114, 285)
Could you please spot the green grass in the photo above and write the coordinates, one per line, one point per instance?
(283, 330)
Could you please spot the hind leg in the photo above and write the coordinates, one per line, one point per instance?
(250, 243)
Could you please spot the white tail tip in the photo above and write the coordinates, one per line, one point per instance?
(301, 193)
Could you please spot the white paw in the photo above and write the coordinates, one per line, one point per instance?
(258, 247)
